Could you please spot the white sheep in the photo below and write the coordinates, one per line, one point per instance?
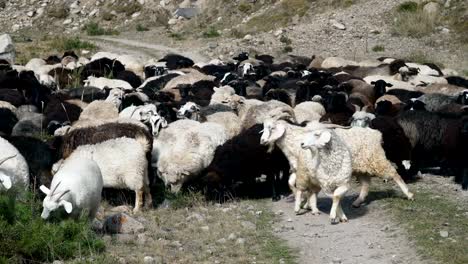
(146, 114)
(123, 165)
(308, 111)
(5, 180)
(101, 83)
(77, 186)
(184, 149)
(332, 165)
(13, 164)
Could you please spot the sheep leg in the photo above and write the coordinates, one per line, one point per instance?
(312, 202)
(403, 186)
(298, 201)
(138, 199)
(341, 214)
(365, 182)
(337, 194)
(148, 198)
(292, 182)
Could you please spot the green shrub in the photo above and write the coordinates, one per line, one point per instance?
(93, 29)
(26, 238)
(74, 43)
(244, 7)
(415, 23)
(140, 28)
(59, 12)
(287, 49)
(211, 33)
(176, 36)
(378, 48)
(285, 40)
(408, 6)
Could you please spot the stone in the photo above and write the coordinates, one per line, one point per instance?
(151, 260)
(248, 37)
(205, 228)
(40, 11)
(122, 223)
(7, 48)
(135, 15)
(232, 236)
(172, 21)
(124, 238)
(30, 13)
(186, 13)
(444, 234)
(248, 225)
(432, 9)
(240, 241)
(195, 216)
(67, 21)
(278, 32)
(57, 262)
(337, 25)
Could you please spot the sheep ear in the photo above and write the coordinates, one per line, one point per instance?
(373, 83)
(67, 205)
(5, 181)
(44, 189)
(389, 85)
(324, 138)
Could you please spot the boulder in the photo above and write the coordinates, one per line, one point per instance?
(186, 13)
(122, 224)
(432, 9)
(7, 48)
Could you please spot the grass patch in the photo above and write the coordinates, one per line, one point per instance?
(278, 15)
(340, 3)
(425, 217)
(59, 12)
(141, 28)
(26, 238)
(378, 48)
(412, 21)
(176, 36)
(73, 43)
(211, 33)
(244, 7)
(285, 40)
(93, 29)
(287, 49)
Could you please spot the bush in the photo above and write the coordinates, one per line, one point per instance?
(408, 6)
(378, 48)
(287, 49)
(285, 40)
(93, 29)
(244, 7)
(64, 43)
(141, 28)
(26, 238)
(59, 12)
(211, 33)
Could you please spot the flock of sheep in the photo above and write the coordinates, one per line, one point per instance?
(226, 128)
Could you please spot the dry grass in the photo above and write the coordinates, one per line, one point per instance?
(59, 11)
(411, 21)
(422, 58)
(194, 231)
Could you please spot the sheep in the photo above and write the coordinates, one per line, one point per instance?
(146, 114)
(153, 85)
(30, 125)
(175, 61)
(101, 82)
(435, 101)
(61, 111)
(5, 180)
(388, 105)
(243, 159)
(77, 186)
(130, 172)
(331, 164)
(184, 149)
(129, 77)
(227, 119)
(8, 118)
(13, 164)
(458, 81)
(390, 80)
(308, 111)
(338, 112)
(102, 67)
(190, 78)
(371, 93)
(12, 96)
(369, 159)
(447, 89)
(405, 95)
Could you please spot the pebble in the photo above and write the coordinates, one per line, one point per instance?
(232, 236)
(444, 234)
(240, 241)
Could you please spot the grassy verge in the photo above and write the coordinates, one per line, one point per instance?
(26, 238)
(424, 219)
(193, 230)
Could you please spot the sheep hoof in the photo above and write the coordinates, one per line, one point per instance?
(356, 205)
(315, 212)
(411, 196)
(334, 221)
(344, 220)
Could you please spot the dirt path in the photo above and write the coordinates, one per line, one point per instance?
(142, 49)
(368, 238)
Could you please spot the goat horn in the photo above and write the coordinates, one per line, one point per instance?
(55, 188)
(7, 158)
(335, 126)
(61, 195)
(356, 108)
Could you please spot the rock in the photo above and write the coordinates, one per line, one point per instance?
(336, 261)
(205, 228)
(172, 21)
(221, 241)
(289, 220)
(232, 236)
(280, 212)
(444, 234)
(135, 15)
(30, 13)
(93, 13)
(278, 32)
(15, 27)
(122, 224)
(124, 238)
(67, 21)
(337, 25)
(248, 37)
(432, 9)
(57, 262)
(152, 260)
(40, 11)
(7, 48)
(186, 13)
(97, 226)
(240, 241)
(248, 225)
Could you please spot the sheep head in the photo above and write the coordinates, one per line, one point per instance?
(5, 180)
(157, 122)
(188, 111)
(361, 119)
(54, 200)
(272, 131)
(317, 139)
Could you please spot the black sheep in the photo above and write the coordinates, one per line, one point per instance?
(12, 96)
(279, 95)
(86, 94)
(151, 88)
(175, 61)
(129, 77)
(154, 70)
(437, 139)
(338, 111)
(242, 159)
(458, 81)
(8, 120)
(103, 67)
(61, 111)
(404, 95)
(267, 59)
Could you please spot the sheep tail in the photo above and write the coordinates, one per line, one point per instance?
(144, 142)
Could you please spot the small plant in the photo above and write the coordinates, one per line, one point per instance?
(107, 16)
(140, 28)
(93, 29)
(378, 48)
(408, 6)
(59, 12)
(74, 43)
(176, 36)
(211, 33)
(285, 40)
(287, 49)
(244, 7)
